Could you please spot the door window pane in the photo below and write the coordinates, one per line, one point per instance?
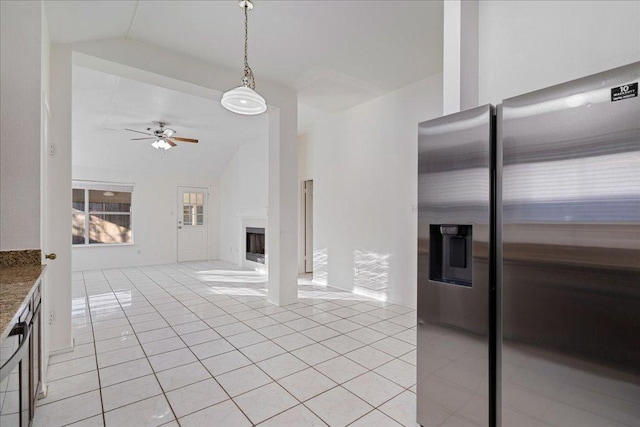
(193, 209)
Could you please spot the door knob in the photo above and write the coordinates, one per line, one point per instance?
(180, 227)
(51, 256)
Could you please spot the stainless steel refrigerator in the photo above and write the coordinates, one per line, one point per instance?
(529, 259)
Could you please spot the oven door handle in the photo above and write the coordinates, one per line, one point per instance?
(19, 329)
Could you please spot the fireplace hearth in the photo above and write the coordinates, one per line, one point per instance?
(255, 244)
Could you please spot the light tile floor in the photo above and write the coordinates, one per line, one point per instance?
(197, 344)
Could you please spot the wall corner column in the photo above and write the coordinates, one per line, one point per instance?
(460, 55)
(282, 231)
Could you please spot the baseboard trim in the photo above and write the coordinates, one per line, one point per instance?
(43, 390)
(323, 282)
(63, 349)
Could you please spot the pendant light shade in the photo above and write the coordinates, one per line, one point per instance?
(244, 99)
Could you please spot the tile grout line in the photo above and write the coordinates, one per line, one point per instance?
(239, 349)
(310, 366)
(313, 367)
(185, 303)
(88, 302)
(299, 402)
(124, 348)
(82, 373)
(253, 363)
(197, 358)
(155, 374)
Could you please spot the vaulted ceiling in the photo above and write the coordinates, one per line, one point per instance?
(336, 54)
(105, 105)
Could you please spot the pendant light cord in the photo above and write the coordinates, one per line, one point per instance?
(248, 79)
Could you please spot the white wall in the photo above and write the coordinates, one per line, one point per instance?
(24, 91)
(21, 43)
(138, 61)
(460, 64)
(305, 172)
(305, 157)
(365, 192)
(243, 195)
(57, 199)
(154, 206)
(364, 158)
(529, 45)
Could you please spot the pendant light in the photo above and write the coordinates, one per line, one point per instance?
(244, 99)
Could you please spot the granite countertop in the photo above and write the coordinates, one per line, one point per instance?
(17, 282)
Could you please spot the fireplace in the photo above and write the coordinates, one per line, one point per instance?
(255, 244)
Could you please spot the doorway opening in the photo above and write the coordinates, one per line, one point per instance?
(308, 226)
(193, 224)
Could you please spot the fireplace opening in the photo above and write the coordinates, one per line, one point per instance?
(255, 245)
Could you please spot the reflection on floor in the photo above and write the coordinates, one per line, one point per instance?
(543, 388)
(453, 382)
(197, 344)
(540, 388)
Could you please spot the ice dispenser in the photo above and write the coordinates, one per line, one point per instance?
(450, 254)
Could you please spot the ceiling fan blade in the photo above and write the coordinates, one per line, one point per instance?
(139, 139)
(137, 131)
(170, 142)
(177, 138)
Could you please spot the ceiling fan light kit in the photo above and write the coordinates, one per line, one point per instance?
(160, 143)
(163, 137)
(244, 99)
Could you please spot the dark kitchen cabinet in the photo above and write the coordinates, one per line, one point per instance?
(20, 360)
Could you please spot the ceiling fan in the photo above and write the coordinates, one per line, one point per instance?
(163, 137)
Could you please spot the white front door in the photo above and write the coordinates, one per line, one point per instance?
(193, 227)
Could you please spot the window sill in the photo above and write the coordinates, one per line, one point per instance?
(103, 245)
